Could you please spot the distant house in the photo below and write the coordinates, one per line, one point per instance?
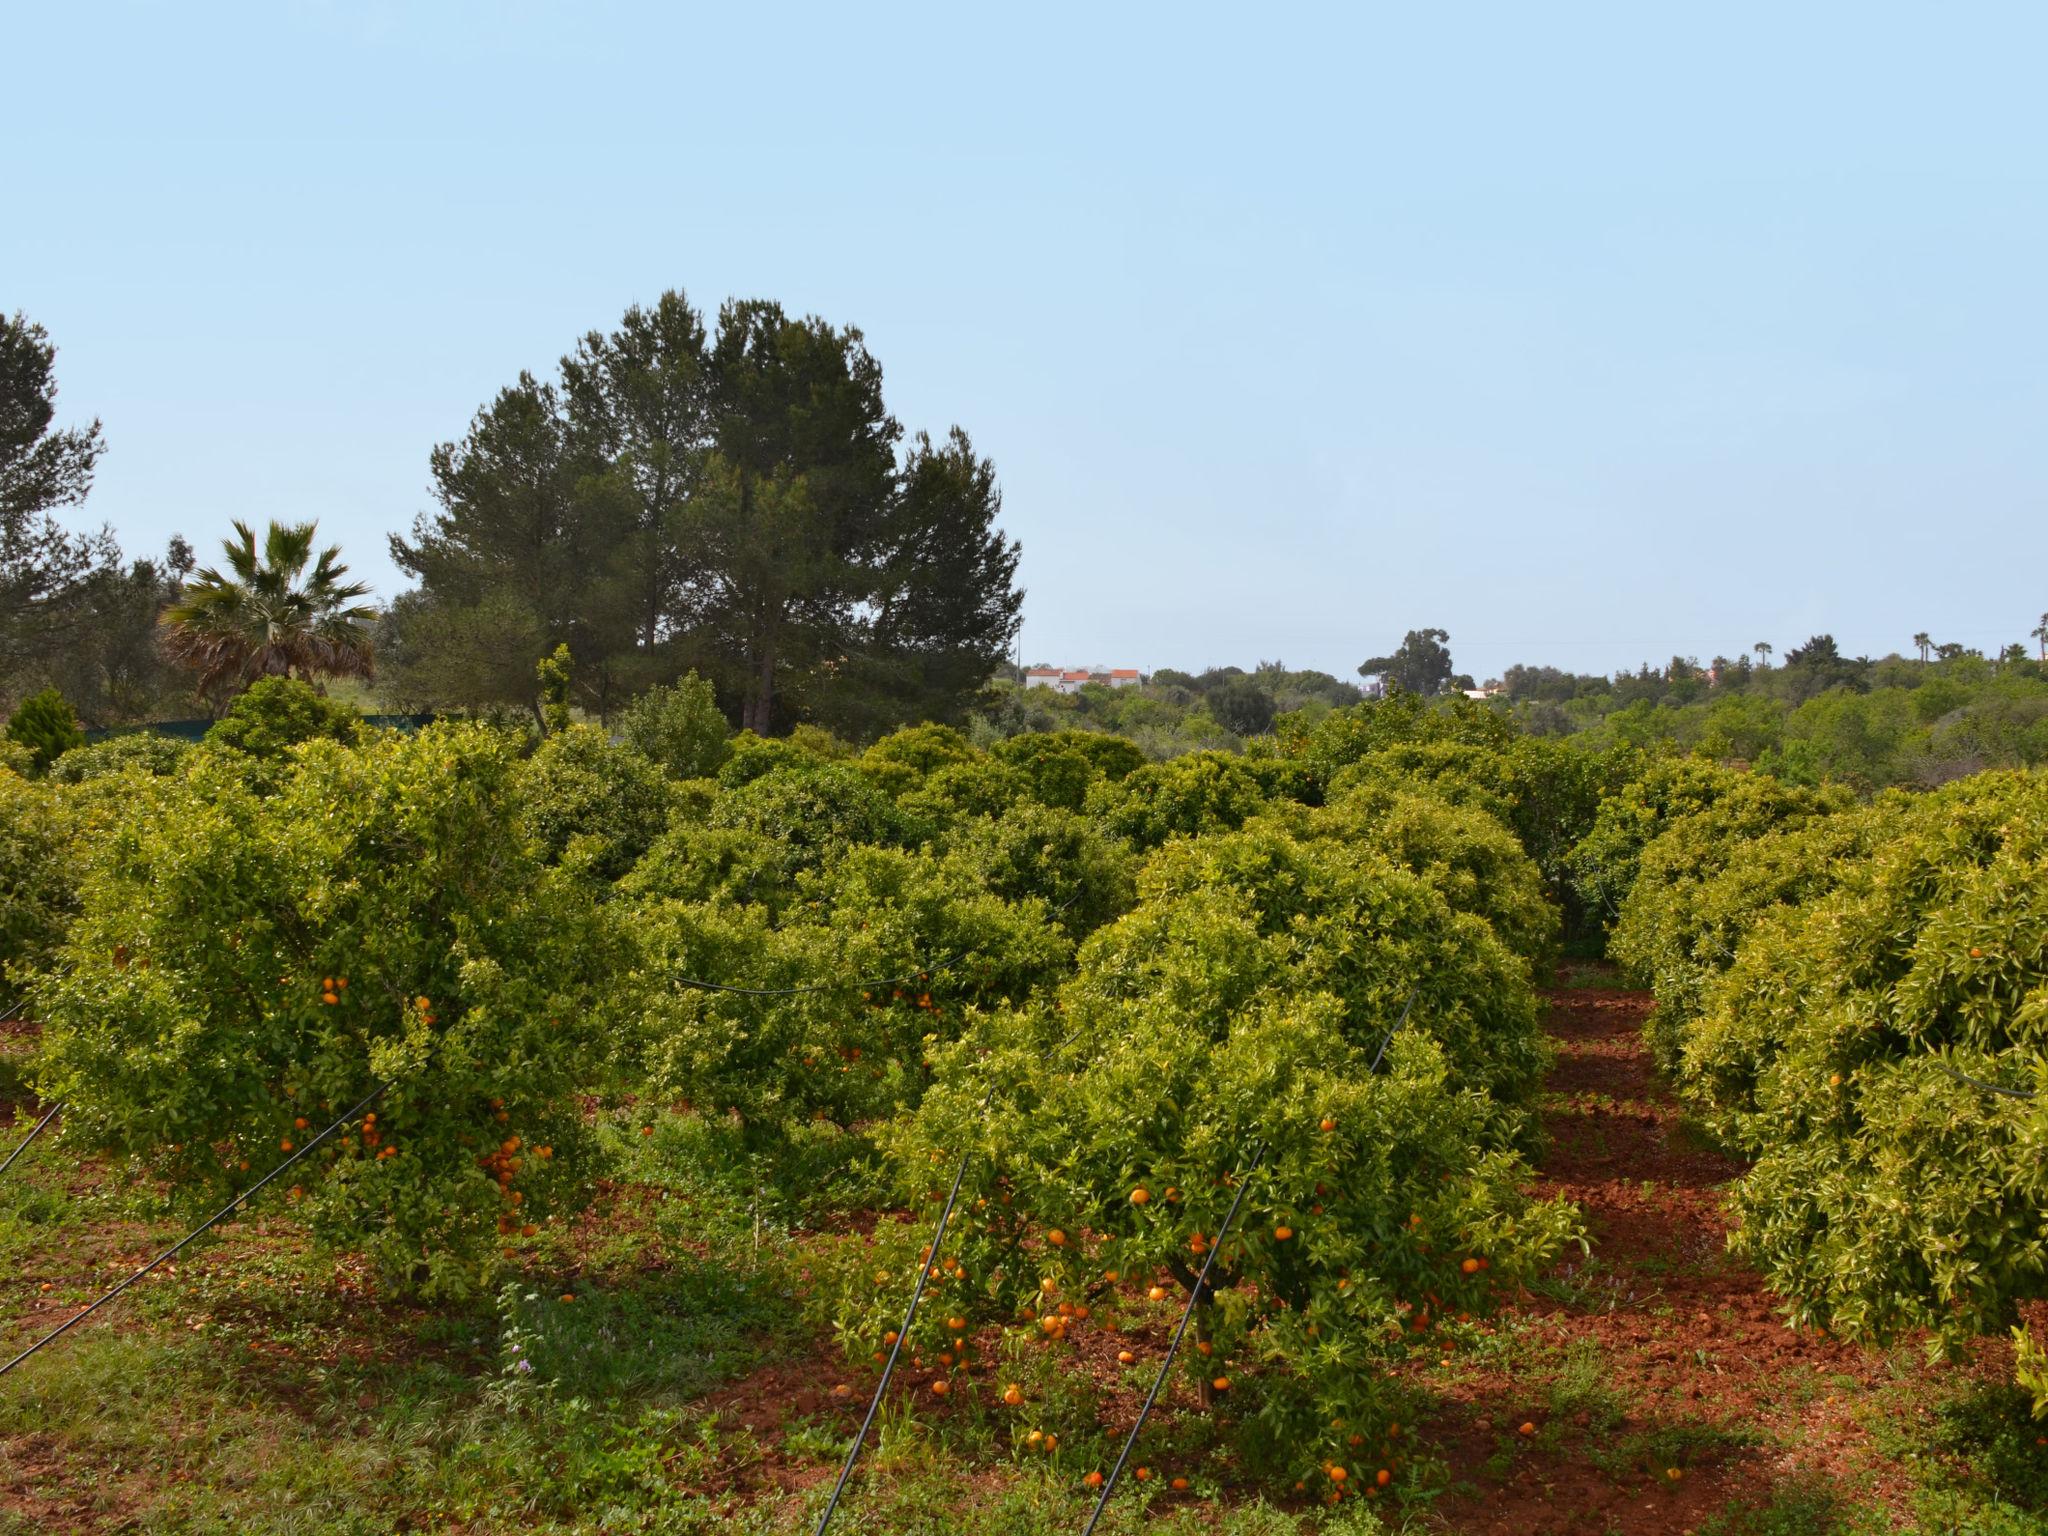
(1074, 679)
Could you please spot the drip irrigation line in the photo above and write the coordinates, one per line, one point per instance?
(1195, 1294)
(204, 1227)
(1978, 1082)
(925, 1266)
(1187, 1313)
(48, 1115)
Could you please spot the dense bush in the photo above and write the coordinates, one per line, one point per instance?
(1201, 792)
(1243, 1005)
(38, 883)
(1706, 878)
(1887, 1195)
(1062, 765)
(245, 965)
(591, 805)
(44, 724)
(275, 714)
(881, 952)
(813, 811)
(903, 761)
(678, 728)
(1602, 866)
(1473, 861)
(142, 750)
(1041, 852)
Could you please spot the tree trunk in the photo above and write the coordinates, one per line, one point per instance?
(760, 708)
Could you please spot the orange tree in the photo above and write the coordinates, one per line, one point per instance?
(1228, 1031)
(1887, 1194)
(246, 964)
(869, 959)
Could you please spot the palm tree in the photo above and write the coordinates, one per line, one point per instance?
(1763, 653)
(1923, 640)
(2041, 634)
(269, 617)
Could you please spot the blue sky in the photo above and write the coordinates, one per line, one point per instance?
(1589, 333)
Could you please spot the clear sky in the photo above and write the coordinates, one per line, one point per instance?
(1589, 333)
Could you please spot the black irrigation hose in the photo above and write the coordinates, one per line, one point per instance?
(48, 1115)
(204, 1227)
(1244, 1179)
(1195, 1295)
(1978, 1082)
(925, 1266)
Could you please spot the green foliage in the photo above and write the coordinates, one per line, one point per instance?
(267, 615)
(1242, 1005)
(904, 761)
(555, 672)
(145, 751)
(981, 787)
(190, 1026)
(38, 879)
(887, 950)
(1470, 858)
(814, 812)
(1062, 765)
(1040, 852)
(1887, 1195)
(591, 805)
(680, 728)
(1603, 865)
(1345, 735)
(1709, 876)
(275, 714)
(1201, 792)
(45, 725)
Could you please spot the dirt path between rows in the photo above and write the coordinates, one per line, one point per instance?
(1663, 1354)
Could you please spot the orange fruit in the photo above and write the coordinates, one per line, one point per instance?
(1528, 1428)
(299, 1123)
(1281, 1234)
(568, 1295)
(1157, 1293)
(1470, 1266)
(941, 1387)
(285, 1145)
(1057, 1238)
(1673, 1473)
(1013, 1394)
(1338, 1474)
(1093, 1479)
(1383, 1477)
(957, 1324)
(1125, 1357)
(1139, 1196)
(1221, 1383)
(1179, 1485)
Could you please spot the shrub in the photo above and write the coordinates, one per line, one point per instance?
(1886, 1195)
(1707, 876)
(1383, 1203)
(1473, 861)
(145, 751)
(590, 804)
(1201, 792)
(1039, 852)
(887, 950)
(1062, 765)
(38, 887)
(904, 761)
(1343, 736)
(1603, 865)
(814, 811)
(275, 714)
(45, 725)
(191, 1028)
(679, 728)
(983, 787)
